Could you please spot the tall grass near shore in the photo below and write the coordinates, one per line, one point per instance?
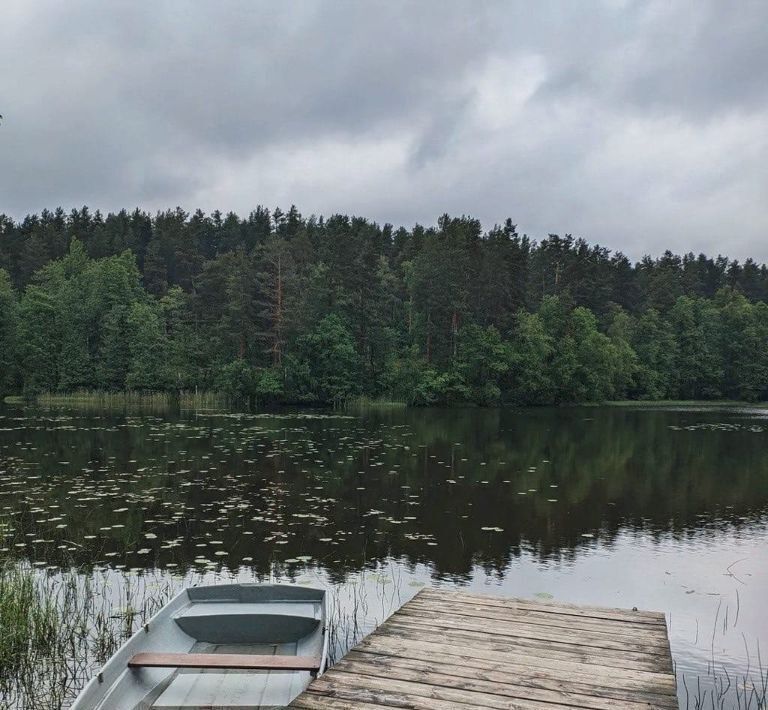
(59, 628)
(186, 399)
(359, 405)
(29, 620)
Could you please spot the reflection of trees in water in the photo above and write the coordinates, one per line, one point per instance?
(349, 492)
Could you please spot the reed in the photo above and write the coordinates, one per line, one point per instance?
(723, 687)
(100, 399)
(358, 404)
(697, 403)
(28, 619)
(58, 629)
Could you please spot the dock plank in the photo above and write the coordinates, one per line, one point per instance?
(407, 694)
(519, 662)
(566, 651)
(655, 644)
(519, 674)
(447, 649)
(505, 683)
(543, 618)
(640, 615)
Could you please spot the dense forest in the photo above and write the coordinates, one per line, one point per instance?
(281, 308)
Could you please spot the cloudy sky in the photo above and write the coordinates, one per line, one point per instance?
(640, 125)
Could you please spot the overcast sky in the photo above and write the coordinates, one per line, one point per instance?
(639, 125)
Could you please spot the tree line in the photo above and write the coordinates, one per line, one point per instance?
(276, 307)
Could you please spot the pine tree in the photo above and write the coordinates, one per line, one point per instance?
(8, 333)
(276, 277)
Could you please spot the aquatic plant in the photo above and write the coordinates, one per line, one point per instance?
(100, 399)
(28, 618)
(363, 403)
(59, 628)
(725, 686)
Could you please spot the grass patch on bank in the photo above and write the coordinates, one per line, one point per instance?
(58, 629)
(363, 403)
(115, 400)
(29, 620)
(702, 403)
(160, 401)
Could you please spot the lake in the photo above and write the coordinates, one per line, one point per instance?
(662, 508)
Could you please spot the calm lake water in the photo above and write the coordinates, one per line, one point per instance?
(658, 508)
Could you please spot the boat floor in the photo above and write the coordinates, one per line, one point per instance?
(191, 689)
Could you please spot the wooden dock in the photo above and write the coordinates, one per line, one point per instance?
(455, 650)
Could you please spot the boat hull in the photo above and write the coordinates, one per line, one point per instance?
(256, 620)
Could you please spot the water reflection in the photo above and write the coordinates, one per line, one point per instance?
(627, 507)
(453, 489)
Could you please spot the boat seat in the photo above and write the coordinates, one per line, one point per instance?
(311, 610)
(228, 661)
(247, 624)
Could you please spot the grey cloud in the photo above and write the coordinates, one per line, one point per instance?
(697, 58)
(645, 129)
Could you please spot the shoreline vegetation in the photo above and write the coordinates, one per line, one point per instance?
(187, 400)
(218, 400)
(280, 309)
(60, 627)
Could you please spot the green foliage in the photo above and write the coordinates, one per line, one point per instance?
(268, 385)
(243, 384)
(655, 345)
(698, 362)
(443, 388)
(405, 375)
(279, 308)
(326, 366)
(147, 364)
(185, 356)
(625, 365)
(38, 345)
(439, 287)
(532, 349)
(237, 381)
(482, 361)
(115, 349)
(744, 332)
(596, 359)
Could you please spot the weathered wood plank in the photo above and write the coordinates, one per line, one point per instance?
(611, 657)
(544, 661)
(313, 701)
(504, 682)
(522, 666)
(640, 616)
(343, 698)
(655, 644)
(404, 694)
(582, 623)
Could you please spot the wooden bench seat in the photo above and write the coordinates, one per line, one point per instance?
(227, 661)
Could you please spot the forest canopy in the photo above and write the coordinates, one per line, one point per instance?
(276, 307)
